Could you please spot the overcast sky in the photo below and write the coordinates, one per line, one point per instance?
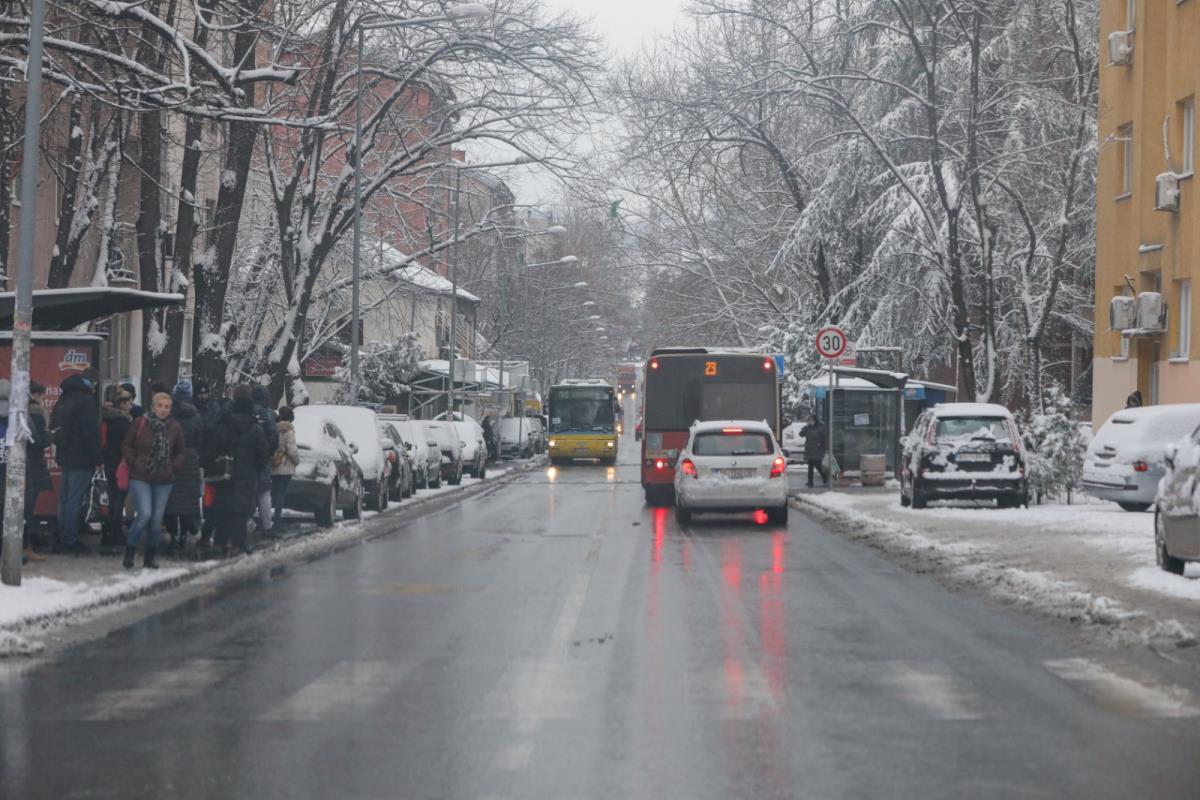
(626, 24)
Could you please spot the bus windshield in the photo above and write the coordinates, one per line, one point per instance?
(581, 409)
(687, 388)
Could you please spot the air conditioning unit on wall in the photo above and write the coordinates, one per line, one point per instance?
(1120, 48)
(1166, 192)
(1122, 313)
(1151, 311)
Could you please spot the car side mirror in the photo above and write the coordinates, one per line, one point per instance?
(353, 448)
(1169, 454)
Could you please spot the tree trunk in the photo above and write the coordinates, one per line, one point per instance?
(61, 264)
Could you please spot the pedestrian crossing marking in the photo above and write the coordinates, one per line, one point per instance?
(1124, 695)
(929, 688)
(345, 687)
(169, 685)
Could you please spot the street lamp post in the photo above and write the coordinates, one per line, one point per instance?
(462, 11)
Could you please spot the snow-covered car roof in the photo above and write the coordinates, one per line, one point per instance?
(1142, 432)
(358, 425)
(970, 410)
(718, 425)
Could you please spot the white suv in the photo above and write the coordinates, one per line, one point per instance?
(731, 465)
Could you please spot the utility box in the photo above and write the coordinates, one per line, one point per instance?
(873, 468)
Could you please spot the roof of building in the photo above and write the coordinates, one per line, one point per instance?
(409, 271)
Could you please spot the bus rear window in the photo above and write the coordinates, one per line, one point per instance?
(732, 444)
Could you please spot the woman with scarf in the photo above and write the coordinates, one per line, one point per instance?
(154, 451)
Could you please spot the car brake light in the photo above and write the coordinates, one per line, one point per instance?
(731, 430)
(654, 363)
(778, 466)
(768, 363)
(688, 468)
(660, 464)
(1140, 466)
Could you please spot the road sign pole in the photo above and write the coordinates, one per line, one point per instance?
(829, 440)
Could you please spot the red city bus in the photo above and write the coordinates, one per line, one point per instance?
(686, 384)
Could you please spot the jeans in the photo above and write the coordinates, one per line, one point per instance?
(279, 488)
(73, 488)
(150, 503)
(230, 527)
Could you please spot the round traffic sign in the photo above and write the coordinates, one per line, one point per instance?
(831, 341)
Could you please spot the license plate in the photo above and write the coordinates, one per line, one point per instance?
(974, 458)
(738, 473)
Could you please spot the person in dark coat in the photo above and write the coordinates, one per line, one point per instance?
(239, 436)
(270, 427)
(37, 474)
(116, 417)
(135, 410)
(183, 507)
(815, 447)
(154, 451)
(75, 431)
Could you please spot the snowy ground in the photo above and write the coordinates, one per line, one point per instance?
(1091, 563)
(66, 590)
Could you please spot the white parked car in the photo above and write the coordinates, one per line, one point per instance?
(793, 443)
(474, 448)
(516, 440)
(1124, 462)
(427, 461)
(360, 426)
(731, 465)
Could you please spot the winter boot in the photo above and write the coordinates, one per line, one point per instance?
(148, 561)
(127, 562)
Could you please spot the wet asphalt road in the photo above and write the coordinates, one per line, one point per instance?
(557, 639)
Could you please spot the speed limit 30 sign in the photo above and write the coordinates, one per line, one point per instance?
(831, 341)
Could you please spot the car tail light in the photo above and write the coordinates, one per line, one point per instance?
(687, 467)
(768, 364)
(660, 464)
(731, 431)
(1140, 466)
(654, 363)
(778, 466)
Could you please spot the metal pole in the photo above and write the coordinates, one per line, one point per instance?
(356, 278)
(454, 288)
(18, 414)
(829, 447)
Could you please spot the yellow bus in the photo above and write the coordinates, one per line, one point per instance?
(583, 421)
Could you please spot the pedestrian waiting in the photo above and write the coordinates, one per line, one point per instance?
(153, 452)
(183, 507)
(283, 463)
(237, 456)
(815, 449)
(116, 417)
(75, 431)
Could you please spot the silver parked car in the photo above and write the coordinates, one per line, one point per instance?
(1124, 462)
(1177, 508)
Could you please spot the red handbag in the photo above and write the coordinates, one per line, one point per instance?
(123, 467)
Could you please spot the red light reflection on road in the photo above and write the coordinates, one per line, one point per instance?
(777, 552)
(660, 532)
(731, 563)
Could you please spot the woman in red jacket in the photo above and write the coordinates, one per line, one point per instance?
(154, 450)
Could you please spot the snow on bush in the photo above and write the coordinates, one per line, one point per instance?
(386, 369)
(1054, 448)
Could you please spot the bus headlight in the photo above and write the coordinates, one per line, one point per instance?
(553, 443)
(610, 443)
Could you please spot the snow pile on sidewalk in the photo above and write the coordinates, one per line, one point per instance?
(1092, 564)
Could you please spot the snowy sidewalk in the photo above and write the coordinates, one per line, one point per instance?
(1090, 563)
(67, 590)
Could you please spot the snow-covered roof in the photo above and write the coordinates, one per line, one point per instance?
(413, 273)
(485, 375)
(970, 410)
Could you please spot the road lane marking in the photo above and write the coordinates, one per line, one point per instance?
(345, 687)
(928, 687)
(1124, 695)
(170, 685)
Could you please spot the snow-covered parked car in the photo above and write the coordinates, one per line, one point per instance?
(963, 451)
(449, 447)
(516, 440)
(327, 477)
(793, 443)
(731, 465)
(360, 426)
(1124, 462)
(1177, 506)
(427, 461)
(474, 448)
(400, 476)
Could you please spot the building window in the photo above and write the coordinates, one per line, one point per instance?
(1125, 141)
(1184, 342)
(1189, 135)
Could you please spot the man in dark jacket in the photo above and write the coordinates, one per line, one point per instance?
(183, 507)
(270, 428)
(75, 430)
(814, 449)
(239, 436)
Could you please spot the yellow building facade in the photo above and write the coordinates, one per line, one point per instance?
(1147, 204)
